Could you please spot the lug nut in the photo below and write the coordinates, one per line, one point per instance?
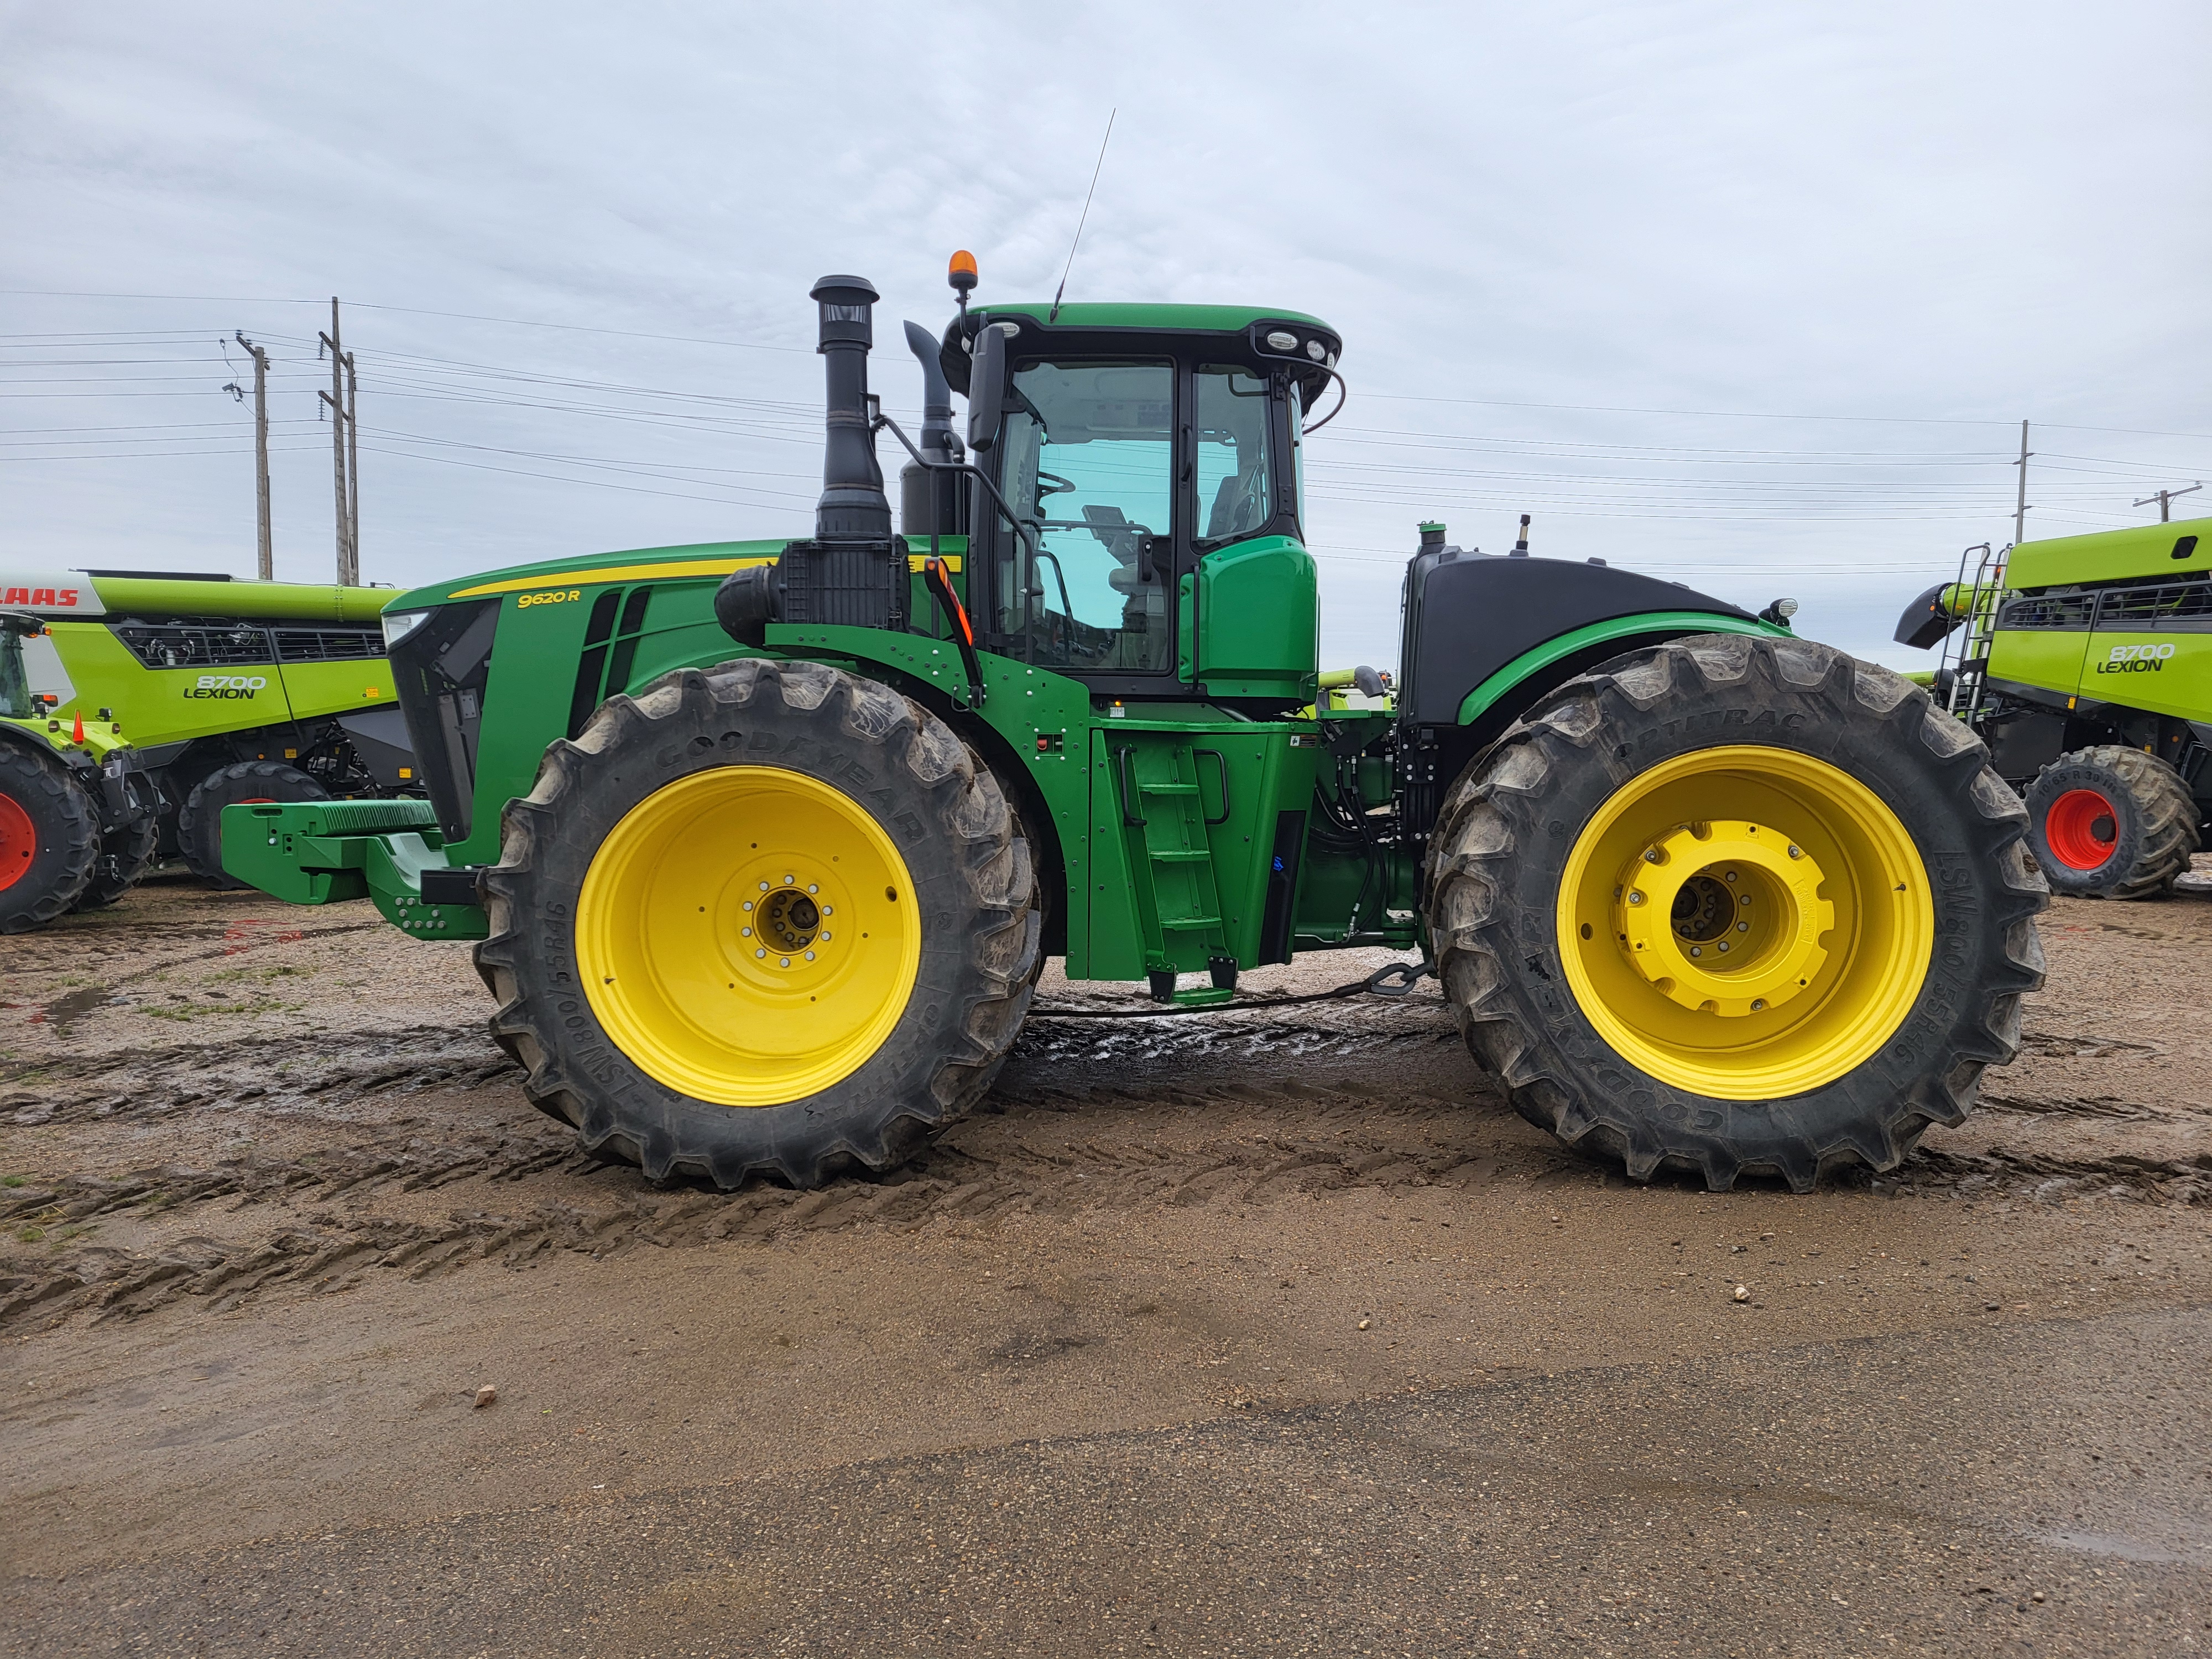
(1743, 927)
(1758, 1004)
(1796, 853)
(1636, 897)
(1723, 946)
(786, 961)
(760, 953)
(1652, 855)
(1697, 949)
(811, 888)
(809, 956)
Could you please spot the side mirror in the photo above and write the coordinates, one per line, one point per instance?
(986, 388)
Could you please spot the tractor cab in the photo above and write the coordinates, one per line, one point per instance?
(1133, 457)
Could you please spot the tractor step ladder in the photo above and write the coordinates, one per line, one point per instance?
(1164, 817)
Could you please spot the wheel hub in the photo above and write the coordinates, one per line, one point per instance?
(2082, 829)
(782, 921)
(1724, 917)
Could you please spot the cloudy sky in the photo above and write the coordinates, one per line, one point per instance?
(1751, 295)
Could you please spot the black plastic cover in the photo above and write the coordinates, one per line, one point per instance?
(1468, 615)
(1925, 622)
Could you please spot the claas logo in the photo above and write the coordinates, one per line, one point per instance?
(52, 598)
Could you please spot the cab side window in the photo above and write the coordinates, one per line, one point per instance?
(1236, 495)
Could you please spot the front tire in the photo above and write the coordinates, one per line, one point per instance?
(770, 918)
(1837, 925)
(49, 839)
(2111, 822)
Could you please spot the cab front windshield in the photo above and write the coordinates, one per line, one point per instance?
(1090, 469)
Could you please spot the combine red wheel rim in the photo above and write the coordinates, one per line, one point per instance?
(2082, 829)
(19, 841)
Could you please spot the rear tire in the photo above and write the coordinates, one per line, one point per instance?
(1917, 848)
(644, 1019)
(2111, 822)
(125, 853)
(49, 839)
(199, 823)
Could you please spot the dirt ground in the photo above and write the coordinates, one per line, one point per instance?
(1252, 1332)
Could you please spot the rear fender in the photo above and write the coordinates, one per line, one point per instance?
(1502, 697)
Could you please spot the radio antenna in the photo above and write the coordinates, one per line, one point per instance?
(1055, 315)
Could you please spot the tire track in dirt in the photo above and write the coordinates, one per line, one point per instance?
(273, 1074)
(1076, 1143)
(208, 1173)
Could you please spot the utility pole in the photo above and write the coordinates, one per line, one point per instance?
(2164, 499)
(2019, 509)
(267, 565)
(342, 447)
(353, 470)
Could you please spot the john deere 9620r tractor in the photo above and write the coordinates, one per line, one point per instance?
(765, 842)
(2086, 663)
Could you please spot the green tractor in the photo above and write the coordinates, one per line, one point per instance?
(2085, 663)
(765, 842)
(77, 810)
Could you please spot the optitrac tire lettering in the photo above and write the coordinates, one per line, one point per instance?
(1854, 771)
(685, 853)
(2111, 822)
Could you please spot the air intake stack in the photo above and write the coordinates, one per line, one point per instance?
(853, 506)
(854, 573)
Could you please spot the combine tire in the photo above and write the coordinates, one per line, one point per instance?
(199, 823)
(2111, 822)
(1733, 905)
(49, 839)
(125, 853)
(765, 919)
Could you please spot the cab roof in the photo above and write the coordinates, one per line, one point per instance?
(1209, 319)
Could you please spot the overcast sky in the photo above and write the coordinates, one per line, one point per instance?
(1754, 296)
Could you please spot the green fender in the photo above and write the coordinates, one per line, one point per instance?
(1536, 659)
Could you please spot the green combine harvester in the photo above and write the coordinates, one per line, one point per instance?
(765, 842)
(2086, 665)
(78, 811)
(229, 690)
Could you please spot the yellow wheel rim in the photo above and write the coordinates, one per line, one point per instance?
(1746, 923)
(747, 936)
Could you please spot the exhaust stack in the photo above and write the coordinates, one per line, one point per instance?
(933, 503)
